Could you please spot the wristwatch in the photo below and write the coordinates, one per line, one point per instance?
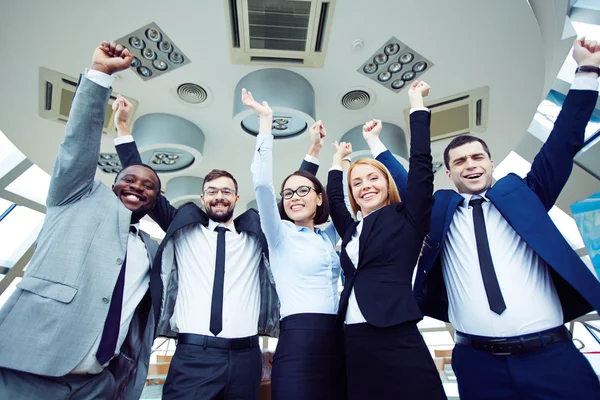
(588, 68)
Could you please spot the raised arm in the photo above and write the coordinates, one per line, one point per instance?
(552, 166)
(262, 171)
(163, 212)
(342, 219)
(75, 165)
(311, 161)
(370, 132)
(419, 197)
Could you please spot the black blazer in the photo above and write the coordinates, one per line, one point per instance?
(390, 240)
(171, 219)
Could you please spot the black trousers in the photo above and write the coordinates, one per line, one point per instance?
(206, 373)
(389, 363)
(556, 372)
(308, 363)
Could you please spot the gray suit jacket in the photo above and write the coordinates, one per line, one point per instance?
(58, 310)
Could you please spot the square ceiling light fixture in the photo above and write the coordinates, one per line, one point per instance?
(154, 53)
(394, 65)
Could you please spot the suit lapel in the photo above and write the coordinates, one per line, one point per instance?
(124, 224)
(368, 224)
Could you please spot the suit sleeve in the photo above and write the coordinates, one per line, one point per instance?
(397, 171)
(552, 166)
(342, 219)
(163, 212)
(419, 197)
(75, 165)
(309, 167)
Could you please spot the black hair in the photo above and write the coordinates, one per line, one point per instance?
(459, 141)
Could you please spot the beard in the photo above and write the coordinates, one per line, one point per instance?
(220, 216)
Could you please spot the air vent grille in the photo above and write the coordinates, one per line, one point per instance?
(192, 93)
(356, 99)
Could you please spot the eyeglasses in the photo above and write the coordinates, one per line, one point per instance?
(301, 192)
(211, 191)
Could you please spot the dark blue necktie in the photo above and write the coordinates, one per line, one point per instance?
(216, 308)
(490, 280)
(112, 324)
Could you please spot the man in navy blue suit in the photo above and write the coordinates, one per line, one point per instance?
(498, 269)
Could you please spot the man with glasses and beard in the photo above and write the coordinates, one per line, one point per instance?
(220, 295)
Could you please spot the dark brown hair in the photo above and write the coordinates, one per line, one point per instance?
(459, 141)
(322, 213)
(218, 173)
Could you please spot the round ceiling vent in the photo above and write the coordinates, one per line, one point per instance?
(192, 93)
(356, 99)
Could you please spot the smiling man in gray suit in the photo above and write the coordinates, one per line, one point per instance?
(80, 323)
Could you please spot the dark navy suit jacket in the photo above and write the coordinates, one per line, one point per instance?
(390, 240)
(524, 203)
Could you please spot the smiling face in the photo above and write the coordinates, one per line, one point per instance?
(137, 187)
(470, 168)
(301, 209)
(219, 199)
(369, 188)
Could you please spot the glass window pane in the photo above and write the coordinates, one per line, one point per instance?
(18, 230)
(32, 184)
(9, 290)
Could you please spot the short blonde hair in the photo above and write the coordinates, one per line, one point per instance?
(393, 194)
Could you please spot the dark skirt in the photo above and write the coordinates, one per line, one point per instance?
(389, 363)
(308, 362)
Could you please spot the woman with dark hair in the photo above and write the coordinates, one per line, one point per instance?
(386, 356)
(308, 361)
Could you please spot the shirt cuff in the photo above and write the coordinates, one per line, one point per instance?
(336, 168)
(412, 110)
(99, 78)
(311, 159)
(584, 82)
(264, 141)
(123, 139)
(377, 148)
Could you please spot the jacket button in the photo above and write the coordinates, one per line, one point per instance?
(119, 261)
(105, 300)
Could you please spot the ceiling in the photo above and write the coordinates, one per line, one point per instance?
(515, 47)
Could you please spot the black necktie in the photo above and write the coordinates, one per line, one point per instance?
(216, 308)
(112, 324)
(490, 280)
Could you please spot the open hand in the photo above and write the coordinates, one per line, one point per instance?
(110, 57)
(262, 109)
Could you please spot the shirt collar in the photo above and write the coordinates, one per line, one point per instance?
(213, 224)
(467, 198)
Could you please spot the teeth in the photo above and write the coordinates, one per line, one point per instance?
(133, 197)
(297, 207)
(368, 196)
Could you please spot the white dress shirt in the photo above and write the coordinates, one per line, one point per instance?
(532, 303)
(137, 280)
(196, 254)
(353, 313)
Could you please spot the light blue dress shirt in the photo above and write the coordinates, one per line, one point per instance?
(305, 265)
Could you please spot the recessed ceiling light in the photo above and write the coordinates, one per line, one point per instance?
(136, 42)
(148, 53)
(384, 76)
(165, 46)
(176, 57)
(420, 66)
(395, 67)
(370, 68)
(408, 76)
(406, 58)
(380, 58)
(153, 34)
(136, 62)
(144, 71)
(391, 49)
(159, 65)
(398, 84)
